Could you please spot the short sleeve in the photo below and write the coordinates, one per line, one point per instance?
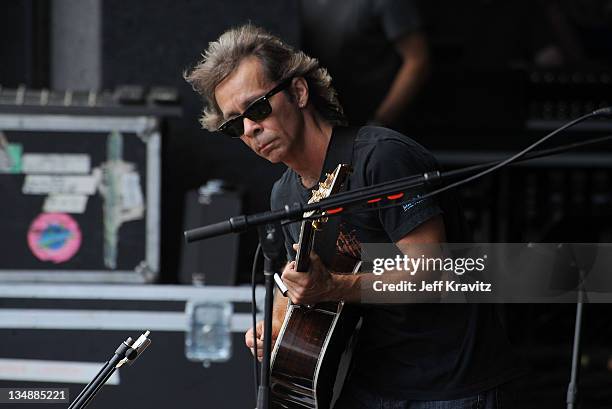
(398, 17)
(393, 159)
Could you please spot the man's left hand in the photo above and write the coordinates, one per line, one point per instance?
(311, 287)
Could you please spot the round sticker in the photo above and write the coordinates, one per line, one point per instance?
(54, 237)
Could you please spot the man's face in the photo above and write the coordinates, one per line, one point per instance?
(274, 138)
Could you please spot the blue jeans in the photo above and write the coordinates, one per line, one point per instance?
(354, 397)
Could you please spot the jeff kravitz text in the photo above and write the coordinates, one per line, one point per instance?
(436, 286)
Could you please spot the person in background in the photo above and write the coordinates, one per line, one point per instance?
(375, 51)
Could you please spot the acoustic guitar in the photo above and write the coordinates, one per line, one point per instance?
(312, 352)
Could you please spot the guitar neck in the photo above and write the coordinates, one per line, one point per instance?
(302, 258)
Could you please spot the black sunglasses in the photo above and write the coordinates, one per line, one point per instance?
(257, 110)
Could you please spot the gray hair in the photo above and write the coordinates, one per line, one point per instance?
(279, 61)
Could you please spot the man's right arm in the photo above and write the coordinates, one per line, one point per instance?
(278, 317)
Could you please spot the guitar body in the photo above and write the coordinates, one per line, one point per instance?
(312, 353)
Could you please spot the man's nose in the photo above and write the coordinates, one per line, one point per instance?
(252, 128)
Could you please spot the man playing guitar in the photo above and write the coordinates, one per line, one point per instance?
(280, 103)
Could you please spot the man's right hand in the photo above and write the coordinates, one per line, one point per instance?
(250, 341)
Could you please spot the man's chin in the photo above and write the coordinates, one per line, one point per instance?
(274, 156)
(274, 159)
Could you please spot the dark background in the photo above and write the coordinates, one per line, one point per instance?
(489, 93)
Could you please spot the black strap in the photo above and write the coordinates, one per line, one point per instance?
(339, 150)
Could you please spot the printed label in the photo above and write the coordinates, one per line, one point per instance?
(56, 163)
(44, 185)
(65, 204)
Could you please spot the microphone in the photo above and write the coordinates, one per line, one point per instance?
(211, 230)
(603, 111)
(272, 242)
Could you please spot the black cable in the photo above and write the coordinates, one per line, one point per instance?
(254, 315)
(510, 159)
(605, 111)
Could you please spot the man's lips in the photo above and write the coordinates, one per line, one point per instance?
(265, 146)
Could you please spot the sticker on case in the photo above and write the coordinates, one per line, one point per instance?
(54, 237)
(10, 155)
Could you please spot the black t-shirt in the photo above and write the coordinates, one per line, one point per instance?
(417, 351)
(355, 41)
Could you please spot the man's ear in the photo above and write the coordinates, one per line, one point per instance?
(299, 91)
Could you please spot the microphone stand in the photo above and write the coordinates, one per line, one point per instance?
(272, 245)
(127, 352)
(572, 387)
(263, 392)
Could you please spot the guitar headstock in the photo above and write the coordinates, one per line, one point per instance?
(332, 184)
